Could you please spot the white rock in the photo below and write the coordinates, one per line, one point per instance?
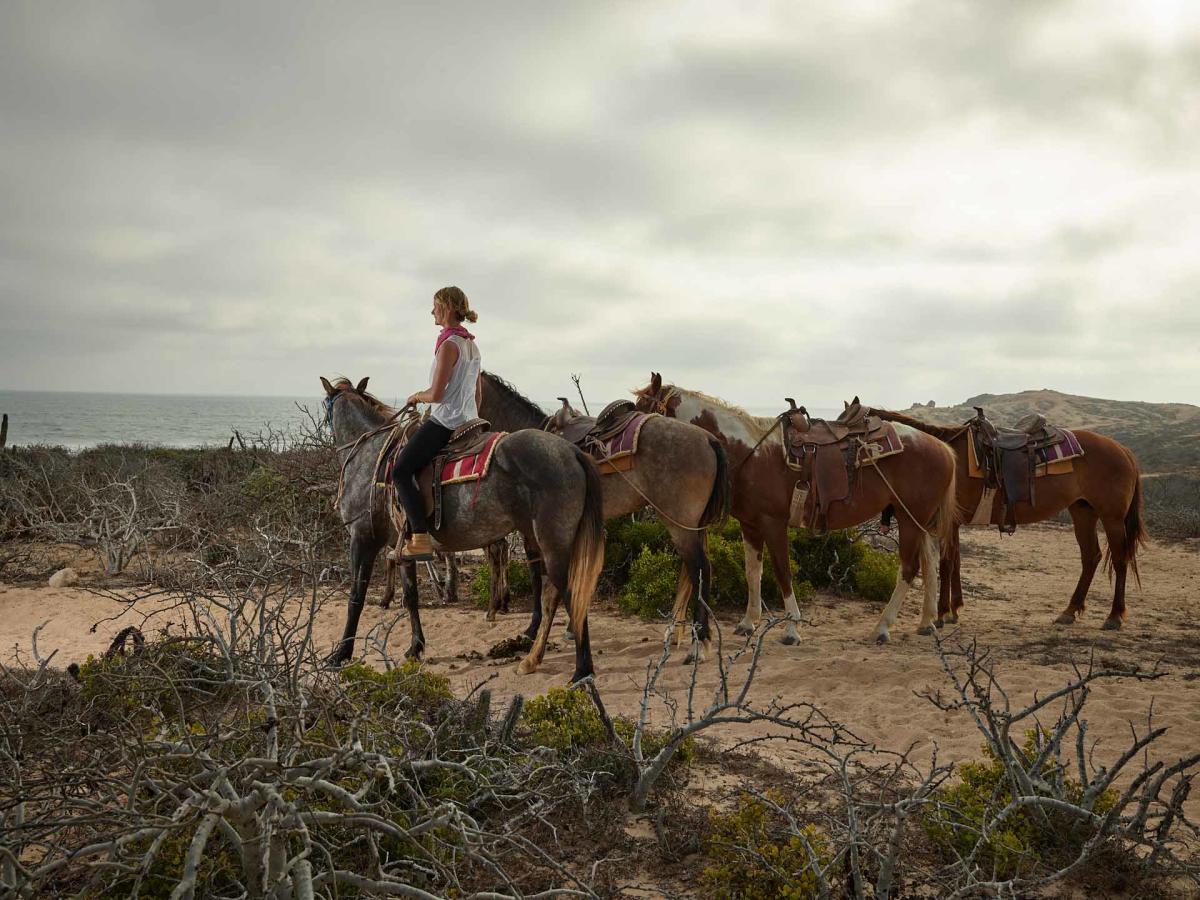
(64, 578)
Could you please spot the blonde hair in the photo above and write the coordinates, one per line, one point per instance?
(456, 301)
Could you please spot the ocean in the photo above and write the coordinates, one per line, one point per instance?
(79, 420)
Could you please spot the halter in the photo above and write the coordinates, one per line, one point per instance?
(662, 405)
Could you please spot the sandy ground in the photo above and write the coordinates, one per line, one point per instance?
(1014, 586)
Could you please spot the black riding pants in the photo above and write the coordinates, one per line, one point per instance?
(420, 450)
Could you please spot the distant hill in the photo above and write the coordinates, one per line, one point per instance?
(1165, 436)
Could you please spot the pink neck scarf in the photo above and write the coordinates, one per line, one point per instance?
(448, 332)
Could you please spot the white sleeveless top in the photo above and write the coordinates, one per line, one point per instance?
(458, 400)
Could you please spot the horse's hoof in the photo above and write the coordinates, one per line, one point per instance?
(743, 629)
(952, 618)
(526, 667)
(1112, 623)
(939, 623)
(414, 652)
(529, 633)
(491, 616)
(926, 631)
(790, 640)
(568, 635)
(881, 638)
(689, 659)
(1065, 619)
(336, 661)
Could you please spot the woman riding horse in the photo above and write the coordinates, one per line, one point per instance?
(454, 392)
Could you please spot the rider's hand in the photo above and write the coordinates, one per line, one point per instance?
(416, 398)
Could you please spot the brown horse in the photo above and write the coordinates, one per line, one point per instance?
(917, 483)
(679, 471)
(1103, 486)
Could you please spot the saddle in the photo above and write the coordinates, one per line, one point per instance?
(828, 454)
(466, 457)
(609, 437)
(1009, 457)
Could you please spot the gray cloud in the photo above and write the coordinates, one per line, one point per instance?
(791, 199)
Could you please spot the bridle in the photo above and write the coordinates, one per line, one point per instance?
(661, 404)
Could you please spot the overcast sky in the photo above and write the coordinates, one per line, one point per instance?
(908, 201)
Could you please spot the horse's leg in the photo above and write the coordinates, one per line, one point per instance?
(910, 563)
(545, 619)
(1084, 518)
(956, 594)
(777, 543)
(498, 597)
(363, 550)
(408, 584)
(533, 555)
(1118, 551)
(385, 602)
(949, 583)
(451, 578)
(752, 546)
(695, 577)
(683, 596)
(929, 565)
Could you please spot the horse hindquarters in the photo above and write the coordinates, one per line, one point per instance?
(572, 556)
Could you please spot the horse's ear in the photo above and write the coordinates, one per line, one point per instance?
(362, 385)
(857, 402)
(329, 391)
(655, 382)
(845, 404)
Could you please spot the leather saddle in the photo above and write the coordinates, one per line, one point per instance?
(826, 453)
(591, 432)
(466, 443)
(1008, 457)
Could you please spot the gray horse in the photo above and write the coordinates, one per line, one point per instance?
(537, 484)
(681, 472)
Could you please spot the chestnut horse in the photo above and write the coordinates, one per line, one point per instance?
(917, 483)
(1104, 486)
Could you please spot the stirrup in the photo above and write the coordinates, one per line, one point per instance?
(417, 550)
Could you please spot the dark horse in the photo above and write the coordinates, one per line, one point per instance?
(537, 484)
(680, 471)
(1103, 486)
(919, 482)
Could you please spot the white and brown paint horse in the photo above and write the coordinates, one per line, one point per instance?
(918, 484)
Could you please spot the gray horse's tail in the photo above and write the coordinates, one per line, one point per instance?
(587, 551)
(717, 509)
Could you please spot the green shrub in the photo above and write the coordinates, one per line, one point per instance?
(875, 574)
(626, 538)
(754, 857)
(1027, 838)
(825, 560)
(567, 721)
(727, 558)
(563, 720)
(650, 590)
(409, 682)
(520, 583)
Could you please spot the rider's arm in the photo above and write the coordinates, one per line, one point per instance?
(447, 356)
(478, 391)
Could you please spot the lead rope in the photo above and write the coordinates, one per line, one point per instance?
(874, 463)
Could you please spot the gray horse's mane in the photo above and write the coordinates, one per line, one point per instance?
(513, 403)
(374, 403)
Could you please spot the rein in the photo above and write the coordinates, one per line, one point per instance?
(401, 418)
